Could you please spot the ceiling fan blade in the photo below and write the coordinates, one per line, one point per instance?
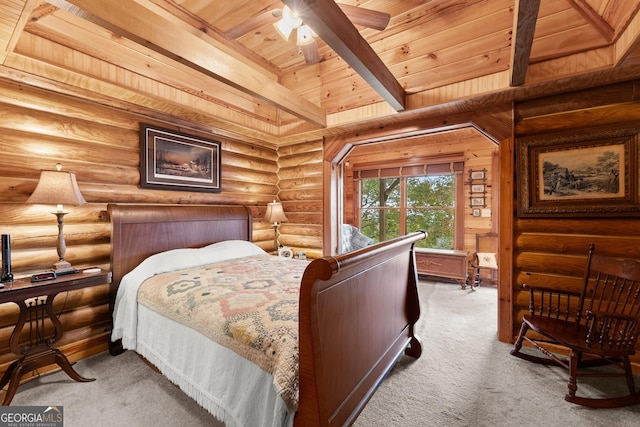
(252, 24)
(311, 53)
(366, 17)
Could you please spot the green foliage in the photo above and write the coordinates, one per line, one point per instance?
(431, 191)
(383, 192)
(380, 225)
(430, 207)
(439, 225)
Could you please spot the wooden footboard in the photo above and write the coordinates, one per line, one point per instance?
(357, 315)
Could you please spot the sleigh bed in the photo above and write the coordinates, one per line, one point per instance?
(355, 316)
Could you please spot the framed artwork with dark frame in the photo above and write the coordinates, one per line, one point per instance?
(171, 160)
(477, 174)
(477, 201)
(477, 188)
(587, 174)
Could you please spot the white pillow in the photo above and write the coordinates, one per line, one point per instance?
(487, 259)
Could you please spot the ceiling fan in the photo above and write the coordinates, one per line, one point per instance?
(285, 22)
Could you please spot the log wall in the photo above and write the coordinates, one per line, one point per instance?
(101, 145)
(552, 251)
(300, 190)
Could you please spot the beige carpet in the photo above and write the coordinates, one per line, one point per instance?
(465, 377)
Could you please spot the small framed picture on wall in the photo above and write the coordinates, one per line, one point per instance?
(479, 174)
(477, 188)
(477, 201)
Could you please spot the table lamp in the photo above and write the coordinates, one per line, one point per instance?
(58, 188)
(276, 215)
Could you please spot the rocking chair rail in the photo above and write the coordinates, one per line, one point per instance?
(602, 322)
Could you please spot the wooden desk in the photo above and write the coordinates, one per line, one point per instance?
(36, 306)
(449, 264)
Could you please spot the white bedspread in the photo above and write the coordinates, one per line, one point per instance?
(231, 388)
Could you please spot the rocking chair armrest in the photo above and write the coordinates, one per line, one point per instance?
(600, 322)
(619, 329)
(537, 288)
(600, 315)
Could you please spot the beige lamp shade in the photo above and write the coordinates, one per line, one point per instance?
(57, 188)
(274, 213)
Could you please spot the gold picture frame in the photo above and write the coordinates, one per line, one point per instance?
(586, 174)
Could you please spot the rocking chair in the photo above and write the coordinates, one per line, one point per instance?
(600, 322)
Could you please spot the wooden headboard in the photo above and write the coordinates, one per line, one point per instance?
(174, 226)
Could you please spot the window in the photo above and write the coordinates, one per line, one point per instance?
(431, 207)
(380, 208)
(424, 199)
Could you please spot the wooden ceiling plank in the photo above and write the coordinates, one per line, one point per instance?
(250, 24)
(69, 30)
(332, 25)
(134, 18)
(525, 16)
(196, 24)
(593, 18)
(22, 19)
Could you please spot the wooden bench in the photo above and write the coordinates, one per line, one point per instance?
(601, 322)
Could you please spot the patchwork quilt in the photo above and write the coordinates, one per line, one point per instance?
(249, 305)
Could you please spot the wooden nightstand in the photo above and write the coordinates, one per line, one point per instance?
(35, 300)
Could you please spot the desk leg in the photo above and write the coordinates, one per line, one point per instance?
(39, 351)
(32, 362)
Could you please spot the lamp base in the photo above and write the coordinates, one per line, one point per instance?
(62, 267)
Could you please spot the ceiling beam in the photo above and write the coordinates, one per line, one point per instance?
(334, 27)
(525, 17)
(18, 25)
(151, 29)
(593, 18)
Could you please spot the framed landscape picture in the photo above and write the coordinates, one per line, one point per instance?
(171, 160)
(585, 174)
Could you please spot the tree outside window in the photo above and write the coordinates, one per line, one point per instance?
(390, 207)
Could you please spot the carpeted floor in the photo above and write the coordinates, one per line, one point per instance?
(465, 377)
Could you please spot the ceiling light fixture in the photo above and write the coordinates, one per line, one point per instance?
(289, 22)
(305, 35)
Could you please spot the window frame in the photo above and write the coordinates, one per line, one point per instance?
(419, 167)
